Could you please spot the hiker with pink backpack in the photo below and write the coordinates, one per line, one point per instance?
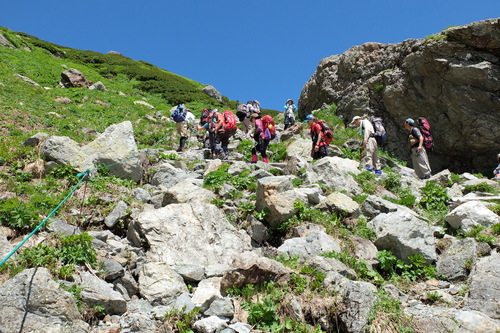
(265, 131)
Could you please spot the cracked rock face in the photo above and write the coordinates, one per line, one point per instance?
(451, 78)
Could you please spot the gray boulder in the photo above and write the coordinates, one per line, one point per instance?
(404, 234)
(186, 191)
(98, 292)
(313, 241)
(470, 214)
(212, 92)
(160, 284)
(484, 287)
(335, 172)
(73, 78)
(33, 302)
(115, 147)
(166, 230)
(457, 258)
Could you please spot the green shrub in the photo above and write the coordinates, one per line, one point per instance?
(496, 229)
(434, 197)
(180, 320)
(77, 250)
(416, 269)
(18, 215)
(481, 187)
(387, 314)
(359, 266)
(279, 152)
(214, 180)
(366, 180)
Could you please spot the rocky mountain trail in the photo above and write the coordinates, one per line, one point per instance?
(173, 247)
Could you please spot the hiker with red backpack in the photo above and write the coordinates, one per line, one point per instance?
(265, 131)
(370, 161)
(319, 138)
(222, 127)
(417, 150)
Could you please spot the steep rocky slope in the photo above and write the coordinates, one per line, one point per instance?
(452, 78)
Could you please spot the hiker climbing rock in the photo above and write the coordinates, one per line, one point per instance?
(319, 144)
(182, 116)
(370, 160)
(417, 151)
(263, 135)
(290, 113)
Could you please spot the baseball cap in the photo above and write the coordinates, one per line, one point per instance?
(410, 121)
(309, 117)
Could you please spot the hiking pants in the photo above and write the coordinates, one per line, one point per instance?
(322, 152)
(182, 129)
(212, 138)
(246, 126)
(371, 158)
(224, 140)
(420, 163)
(261, 147)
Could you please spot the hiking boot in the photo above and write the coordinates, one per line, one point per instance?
(265, 159)
(225, 157)
(378, 172)
(254, 159)
(369, 168)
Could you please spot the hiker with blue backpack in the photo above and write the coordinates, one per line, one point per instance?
(290, 113)
(182, 116)
(370, 161)
(417, 150)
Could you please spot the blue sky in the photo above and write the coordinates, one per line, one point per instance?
(264, 50)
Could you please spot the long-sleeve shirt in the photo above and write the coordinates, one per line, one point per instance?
(367, 128)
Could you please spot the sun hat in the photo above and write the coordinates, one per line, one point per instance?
(354, 119)
(410, 121)
(289, 100)
(309, 117)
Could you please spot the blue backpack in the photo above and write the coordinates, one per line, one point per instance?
(179, 114)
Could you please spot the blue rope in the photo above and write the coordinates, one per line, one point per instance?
(82, 177)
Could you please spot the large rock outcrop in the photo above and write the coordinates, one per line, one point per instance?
(451, 78)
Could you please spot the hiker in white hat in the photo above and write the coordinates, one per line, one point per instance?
(370, 161)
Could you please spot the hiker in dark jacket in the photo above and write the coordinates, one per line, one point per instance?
(417, 151)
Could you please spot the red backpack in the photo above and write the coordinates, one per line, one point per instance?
(326, 131)
(230, 121)
(268, 124)
(425, 129)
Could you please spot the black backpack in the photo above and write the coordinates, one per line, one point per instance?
(379, 130)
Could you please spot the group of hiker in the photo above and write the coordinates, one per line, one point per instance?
(220, 126)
